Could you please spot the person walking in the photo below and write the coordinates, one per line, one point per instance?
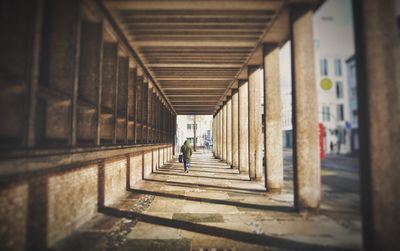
(187, 152)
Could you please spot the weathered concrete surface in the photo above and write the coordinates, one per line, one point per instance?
(229, 131)
(243, 128)
(378, 63)
(220, 134)
(213, 206)
(305, 112)
(235, 129)
(272, 110)
(255, 126)
(217, 135)
(223, 132)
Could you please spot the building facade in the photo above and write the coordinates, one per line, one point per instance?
(185, 129)
(334, 103)
(353, 107)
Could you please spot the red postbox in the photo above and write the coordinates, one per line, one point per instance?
(321, 141)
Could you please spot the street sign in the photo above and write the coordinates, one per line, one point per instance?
(326, 84)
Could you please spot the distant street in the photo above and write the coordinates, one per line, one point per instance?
(340, 184)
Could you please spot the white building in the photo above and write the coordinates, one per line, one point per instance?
(185, 129)
(334, 44)
(352, 80)
(333, 102)
(286, 95)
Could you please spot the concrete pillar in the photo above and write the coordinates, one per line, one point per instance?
(243, 128)
(139, 109)
(223, 132)
(273, 128)
(219, 134)
(235, 129)
(255, 127)
(229, 131)
(214, 135)
(306, 162)
(378, 68)
(145, 93)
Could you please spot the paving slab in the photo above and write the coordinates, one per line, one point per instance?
(215, 208)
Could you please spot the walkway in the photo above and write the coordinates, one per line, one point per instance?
(210, 208)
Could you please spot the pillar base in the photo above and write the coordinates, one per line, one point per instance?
(308, 210)
(259, 179)
(274, 190)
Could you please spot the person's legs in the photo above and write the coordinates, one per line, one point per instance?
(184, 165)
(187, 166)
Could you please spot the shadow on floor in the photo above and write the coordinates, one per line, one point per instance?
(259, 239)
(205, 185)
(195, 169)
(168, 172)
(215, 201)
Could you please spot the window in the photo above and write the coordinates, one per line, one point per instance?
(338, 67)
(326, 113)
(324, 67)
(353, 91)
(189, 126)
(342, 135)
(339, 89)
(340, 112)
(355, 116)
(352, 72)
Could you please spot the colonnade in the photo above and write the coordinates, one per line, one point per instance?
(237, 125)
(85, 87)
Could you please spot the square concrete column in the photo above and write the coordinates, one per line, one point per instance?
(235, 129)
(223, 132)
(229, 131)
(243, 128)
(306, 162)
(255, 126)
(220, 134)
(217, 135)
(213, 135)
(273, 128)
(378, 77)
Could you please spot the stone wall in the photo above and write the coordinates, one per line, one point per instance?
(155, 159)
(161, 157)
(13, 212)
(114, 179)
(41, 206)
(136, 168)
(72, 200)
(148, 163)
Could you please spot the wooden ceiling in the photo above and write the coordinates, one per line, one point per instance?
(196, 49)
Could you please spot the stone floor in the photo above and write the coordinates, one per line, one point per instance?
(213, 207)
